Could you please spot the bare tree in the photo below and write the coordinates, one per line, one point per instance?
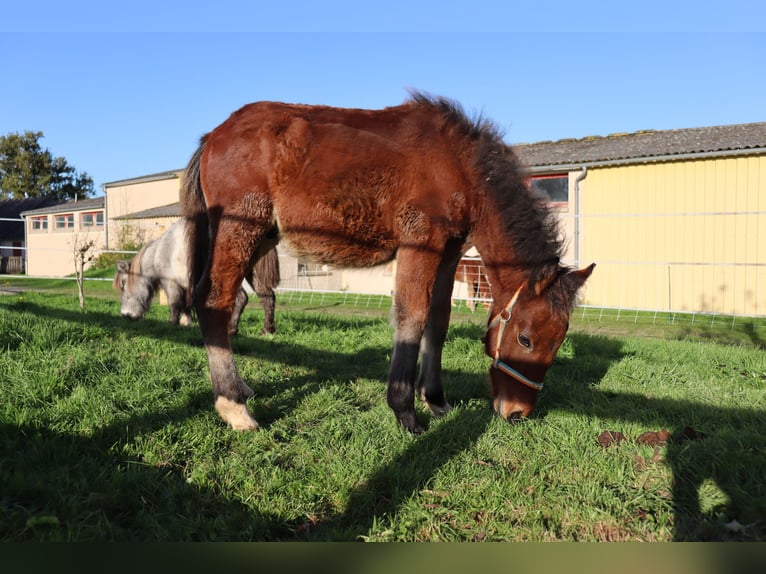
(83, 250)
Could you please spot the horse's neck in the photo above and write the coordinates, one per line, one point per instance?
(504, 273)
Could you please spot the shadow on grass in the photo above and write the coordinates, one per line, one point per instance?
(61, 486)
(708, 442)
(732, 454)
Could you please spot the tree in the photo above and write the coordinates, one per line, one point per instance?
(83, 251)
(28, 170)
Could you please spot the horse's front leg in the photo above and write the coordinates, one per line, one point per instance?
(429, 384)
(415, 275)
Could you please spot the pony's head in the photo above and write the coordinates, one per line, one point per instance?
(524, 336)
(137, 290)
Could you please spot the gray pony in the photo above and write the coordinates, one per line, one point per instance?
(164, 263)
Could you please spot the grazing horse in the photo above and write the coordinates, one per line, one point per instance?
(470, 270)
(164, 262)
(354, 188)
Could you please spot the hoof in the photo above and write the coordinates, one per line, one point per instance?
(439, 410)
(235, 414)
(409, 422)
(436, 410)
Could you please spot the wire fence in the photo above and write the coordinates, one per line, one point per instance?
(307, 284)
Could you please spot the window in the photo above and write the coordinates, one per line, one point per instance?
(64, 221)
(554, 187)
(92, 219)
(39, 223)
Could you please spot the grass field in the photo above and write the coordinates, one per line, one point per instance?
(107, 432)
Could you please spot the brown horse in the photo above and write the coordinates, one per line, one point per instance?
(355, 188)
(470, 270)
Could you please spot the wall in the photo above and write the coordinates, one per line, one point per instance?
(681, 236)
(51, 252)
(132, 196)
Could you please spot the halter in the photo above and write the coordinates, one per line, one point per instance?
(502, 318)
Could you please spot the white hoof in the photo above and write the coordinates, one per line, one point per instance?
(235, 414)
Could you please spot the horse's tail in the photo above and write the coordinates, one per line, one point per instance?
(194, 210)
(266, 276)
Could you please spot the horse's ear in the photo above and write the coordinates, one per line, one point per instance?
(540, 281)
(576, 279)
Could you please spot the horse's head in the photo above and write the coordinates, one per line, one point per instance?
(137, 291)
(524, 336)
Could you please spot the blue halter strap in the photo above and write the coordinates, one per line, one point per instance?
(502, 319)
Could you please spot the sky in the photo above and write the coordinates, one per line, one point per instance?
(123, 90)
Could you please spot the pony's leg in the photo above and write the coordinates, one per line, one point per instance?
(415, 275)
(186, 319)
(429, 384)
(239, 306)
(176, 295)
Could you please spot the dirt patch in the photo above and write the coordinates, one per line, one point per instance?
(655, 439)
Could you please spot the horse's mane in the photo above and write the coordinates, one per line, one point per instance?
(135, 266)
(532, 227)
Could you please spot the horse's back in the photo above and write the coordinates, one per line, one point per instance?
(345, 186)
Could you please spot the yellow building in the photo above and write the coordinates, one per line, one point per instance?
(675, 220)
(127, 197)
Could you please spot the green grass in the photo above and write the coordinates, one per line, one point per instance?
(107, 432)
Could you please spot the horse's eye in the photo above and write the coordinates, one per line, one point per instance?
(524, 341)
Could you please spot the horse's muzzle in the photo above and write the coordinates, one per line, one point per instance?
(511, 400)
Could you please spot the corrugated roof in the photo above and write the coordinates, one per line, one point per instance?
(645, 145)
(79, 205)
(145, 178)
(170, 210)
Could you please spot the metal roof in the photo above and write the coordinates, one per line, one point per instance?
(170, 210)
(645, 146)
(145, 178)
(79, 205)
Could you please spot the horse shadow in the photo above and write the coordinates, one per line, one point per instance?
(51, 478)
(706, 443)
(730, 443)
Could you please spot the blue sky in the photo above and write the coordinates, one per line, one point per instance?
(123, 92)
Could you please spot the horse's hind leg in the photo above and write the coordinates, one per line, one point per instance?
(214, 308)
(235, 237)
(269, 303)
(239, 306)
(265, 278)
